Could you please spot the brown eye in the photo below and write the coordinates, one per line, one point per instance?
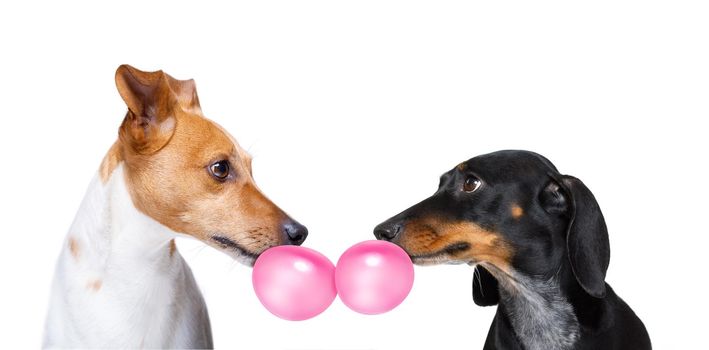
(471, 184)
(220, 169)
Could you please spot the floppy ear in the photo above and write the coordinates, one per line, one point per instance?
(587, 238)
(553, 199)
(485, 287)
(150, 121)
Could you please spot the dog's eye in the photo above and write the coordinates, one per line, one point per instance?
(471, 184)
(220, 169)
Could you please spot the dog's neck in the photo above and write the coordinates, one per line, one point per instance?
(540, 315)
(109, 231)
(120, 282)
(114, 249)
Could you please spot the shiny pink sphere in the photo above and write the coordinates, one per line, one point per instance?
(294, 283)
(373, 277)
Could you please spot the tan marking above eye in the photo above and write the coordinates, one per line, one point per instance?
(516, 211)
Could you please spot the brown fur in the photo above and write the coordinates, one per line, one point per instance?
(150, 121)
(166, 146)
(74, 247)
(110, 162)
(94, 285)
(173, 247)
(517, 211)
(429, 237)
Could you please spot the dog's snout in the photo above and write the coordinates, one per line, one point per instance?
(387, 231)
(294, 232)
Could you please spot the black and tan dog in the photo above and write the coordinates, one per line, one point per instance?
(540, 246)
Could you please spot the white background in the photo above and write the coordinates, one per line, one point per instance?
(352, 110)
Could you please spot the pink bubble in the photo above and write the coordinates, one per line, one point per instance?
(294, 283)
(373, 277)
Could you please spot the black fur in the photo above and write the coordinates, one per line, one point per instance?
(560, 237)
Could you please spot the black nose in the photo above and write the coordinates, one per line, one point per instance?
(387, 231)
(295, 232)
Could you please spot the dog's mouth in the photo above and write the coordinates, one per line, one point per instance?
(443, 256)
(236, 251)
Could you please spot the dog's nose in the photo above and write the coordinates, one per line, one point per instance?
(387, 231)
(295, 232)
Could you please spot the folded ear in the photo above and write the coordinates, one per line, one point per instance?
(553, 199)
(150, 121)
(186, 93)
(485, 287)
(587, 238)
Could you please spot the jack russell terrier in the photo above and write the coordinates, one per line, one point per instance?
(119, 280)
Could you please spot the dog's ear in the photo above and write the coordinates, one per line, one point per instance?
(553, 199)
(485, 287)
(587, 238)
(186, 93)
(150, 121)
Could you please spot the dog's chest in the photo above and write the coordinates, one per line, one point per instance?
(119, 285)
(541, 317)
(127, 306)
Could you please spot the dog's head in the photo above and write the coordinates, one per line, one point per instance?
(513, 213)
(188, 173)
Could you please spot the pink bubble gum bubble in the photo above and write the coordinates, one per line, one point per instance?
(373, 277)
(294, 283)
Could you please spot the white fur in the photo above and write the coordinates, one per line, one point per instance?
(147, 298)
(540, 314)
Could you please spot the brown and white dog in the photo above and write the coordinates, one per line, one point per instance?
(119, 280)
